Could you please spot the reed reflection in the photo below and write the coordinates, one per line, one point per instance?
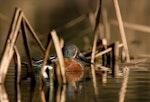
(3, 94)
(122, 92)
(17, 93)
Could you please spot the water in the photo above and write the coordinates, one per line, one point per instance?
(134, 86)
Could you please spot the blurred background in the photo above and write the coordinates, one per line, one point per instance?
(45, 15)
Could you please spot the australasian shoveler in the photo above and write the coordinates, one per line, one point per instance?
(73, 59)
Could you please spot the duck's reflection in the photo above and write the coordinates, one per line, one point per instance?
(74, 83)
(59, 93)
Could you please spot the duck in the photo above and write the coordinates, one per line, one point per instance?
(74, 60)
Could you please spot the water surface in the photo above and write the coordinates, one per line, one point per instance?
(133, 87)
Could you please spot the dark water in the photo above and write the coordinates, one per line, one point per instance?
(134, 86)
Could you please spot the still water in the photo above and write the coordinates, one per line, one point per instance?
(134, 86)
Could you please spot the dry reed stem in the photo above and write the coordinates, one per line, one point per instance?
(92, 20)
(9, 49)
(58, 74)
(98, 15)
(59, 54)
(106, 25)
(97, 8)
(122, 32)
(95, 22)
(72, 23)
(93, 67)
(86, 43)
(13, 23)
(115, 55)
(46, 55)
(61, 42)
(12, 26)
(18, 65)
(3, 17)
(106, 51)
(133, 26)
(34, 34)
(85, 31)
(133, 62)
(101, 31)
(103, 68)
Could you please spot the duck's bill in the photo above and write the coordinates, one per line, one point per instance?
(83, 58)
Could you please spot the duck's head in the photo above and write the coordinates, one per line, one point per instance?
(72, 51)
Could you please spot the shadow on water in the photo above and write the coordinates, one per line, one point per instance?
(131, 87)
